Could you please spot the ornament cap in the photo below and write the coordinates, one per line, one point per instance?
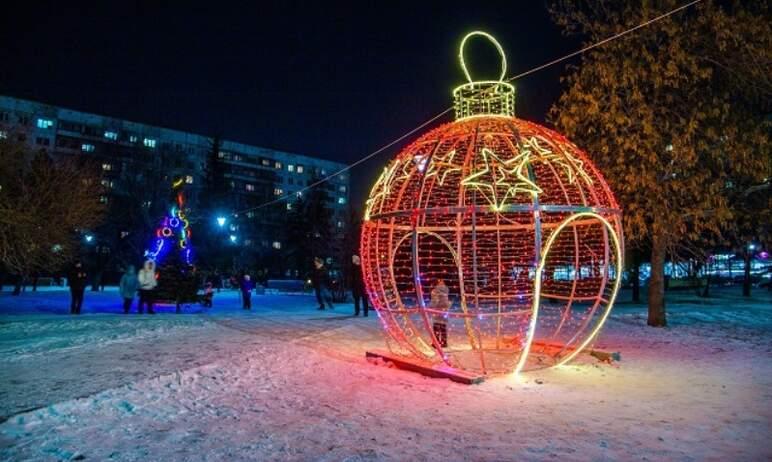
(483, 97)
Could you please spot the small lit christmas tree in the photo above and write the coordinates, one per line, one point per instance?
(172, 252)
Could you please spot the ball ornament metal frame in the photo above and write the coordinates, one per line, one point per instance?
(491, 244)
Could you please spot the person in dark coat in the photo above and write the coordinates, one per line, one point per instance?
(76, 279)
(128, 287)
(246, 286)
(217, 280)
(358, 291)
(208, 295)
(320, 280)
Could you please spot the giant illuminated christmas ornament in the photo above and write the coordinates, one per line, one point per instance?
(491, 244)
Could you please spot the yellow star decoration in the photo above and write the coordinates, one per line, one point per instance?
(572, 166)
(409, 167)
(511, 174)
(442, 161)
(382, 186)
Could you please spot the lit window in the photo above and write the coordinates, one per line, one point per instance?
(107, 183)
(3, 134)
(45, 123)
(342, 188)
(237, 158)
(133, 138)
(107, 167)
(300, 169)
(189, 179)
(277, 164)
(341, 200)
(249, 187)
(289, 206)
(250, 214)
(149, 142)
(324, 172)
(110, 135)
(103, 199)
(266, 162)
(222, 155)
(278, 192)
(290, 168)
(276, 245)
(85, 147)
(299, 193)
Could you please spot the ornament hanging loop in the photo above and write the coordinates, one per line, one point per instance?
(495, 44)
(478, 98)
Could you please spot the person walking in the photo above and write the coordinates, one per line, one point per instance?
(147, 282)
(246, 286)
(76, 279)
(320, 279)
(128, 287)
(358, 291)
(208, 295)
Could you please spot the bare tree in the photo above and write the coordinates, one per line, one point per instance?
(44, 204)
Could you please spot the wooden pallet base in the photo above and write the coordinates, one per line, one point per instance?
(440, 371)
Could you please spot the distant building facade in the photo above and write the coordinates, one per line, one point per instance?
(135, 156)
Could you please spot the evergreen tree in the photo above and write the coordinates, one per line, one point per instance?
(172, 250)
(177, 280)
(351, 240)
(212, 204)
(309, 229)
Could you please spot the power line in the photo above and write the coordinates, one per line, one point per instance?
(348, 167)
(441, 114)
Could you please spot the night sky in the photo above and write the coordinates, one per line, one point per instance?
(335, 82)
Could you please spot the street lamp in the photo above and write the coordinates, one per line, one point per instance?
(233, 238)
(221, 221)
(89, 238)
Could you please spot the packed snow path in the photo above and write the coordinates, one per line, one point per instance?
(287, 382)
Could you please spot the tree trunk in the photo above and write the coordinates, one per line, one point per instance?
(706, 290)
(96, 281)
(657, 282)
(19, 286)
(747, 274)
(635, 274)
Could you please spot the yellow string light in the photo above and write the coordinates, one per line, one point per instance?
(466, 207)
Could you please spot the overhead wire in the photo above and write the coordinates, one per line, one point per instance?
(449, 109)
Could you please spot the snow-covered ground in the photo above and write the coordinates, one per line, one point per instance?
(287, 382)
